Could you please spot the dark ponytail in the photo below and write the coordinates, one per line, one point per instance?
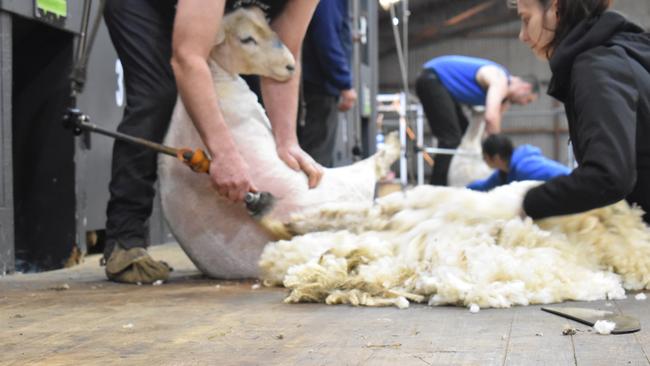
(569, 14)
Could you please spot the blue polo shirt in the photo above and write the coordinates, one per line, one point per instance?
(458, 75)
(526, 163)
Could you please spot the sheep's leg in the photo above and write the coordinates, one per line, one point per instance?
(387, 156)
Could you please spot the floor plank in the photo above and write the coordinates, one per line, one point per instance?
(538, 339)
(198, 321)
(592, 348)
(641, 310)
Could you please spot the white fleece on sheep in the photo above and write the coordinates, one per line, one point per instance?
(464, 169)
(444, 245)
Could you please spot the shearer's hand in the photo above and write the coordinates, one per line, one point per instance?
(230, 175)
(297, 159)
(492, 125)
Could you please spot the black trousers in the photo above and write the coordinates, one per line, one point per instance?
(141, 32)
(317, 131)
(446, 119)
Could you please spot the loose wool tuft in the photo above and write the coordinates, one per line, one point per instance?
(443, 245)
(604, 327)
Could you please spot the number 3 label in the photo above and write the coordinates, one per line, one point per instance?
(119, 93)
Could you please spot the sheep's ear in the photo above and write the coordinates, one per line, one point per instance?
(220, 38)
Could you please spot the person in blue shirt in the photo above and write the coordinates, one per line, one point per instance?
(327, 79)
(446, 82)
(526, 162)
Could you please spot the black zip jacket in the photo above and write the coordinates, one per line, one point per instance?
(601, 72)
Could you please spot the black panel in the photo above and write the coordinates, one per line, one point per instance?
(44, 194)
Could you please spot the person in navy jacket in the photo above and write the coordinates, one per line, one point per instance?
(327, 79)
(526, 162)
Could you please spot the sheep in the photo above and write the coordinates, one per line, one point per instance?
(465, 169)
(218, 236)
(446, 245)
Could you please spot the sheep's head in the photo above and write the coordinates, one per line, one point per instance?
(247, 45)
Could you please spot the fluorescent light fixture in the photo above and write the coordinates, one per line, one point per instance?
(386, 4)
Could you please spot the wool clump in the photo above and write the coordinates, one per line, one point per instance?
(453, 246)
(604, 326)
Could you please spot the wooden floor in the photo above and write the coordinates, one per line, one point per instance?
(196, 321)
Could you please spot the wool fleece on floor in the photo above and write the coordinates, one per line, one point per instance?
(444, 245)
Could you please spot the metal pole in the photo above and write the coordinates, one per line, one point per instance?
(398, 46)
(356, 77)
(405, 94)
(84, 46)
(441, 151)
(406, 13)
(7, 216)
(419, 121)
(402, 138)
(78, 72)
(128, 138)
(373, 61)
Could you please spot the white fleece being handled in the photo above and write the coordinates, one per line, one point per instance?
(443, 245)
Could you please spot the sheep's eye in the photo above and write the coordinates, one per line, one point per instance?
(248, 40)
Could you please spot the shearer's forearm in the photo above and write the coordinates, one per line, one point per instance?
(196, 25)
(281, 99)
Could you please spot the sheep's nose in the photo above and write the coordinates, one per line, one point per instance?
(291, 68)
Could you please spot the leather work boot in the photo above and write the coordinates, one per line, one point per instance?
(135, 265)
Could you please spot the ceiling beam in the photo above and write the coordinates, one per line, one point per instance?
(470, 13)
(423, 37)
(432, 30)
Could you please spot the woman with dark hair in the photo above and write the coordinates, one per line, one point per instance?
(600, 63)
